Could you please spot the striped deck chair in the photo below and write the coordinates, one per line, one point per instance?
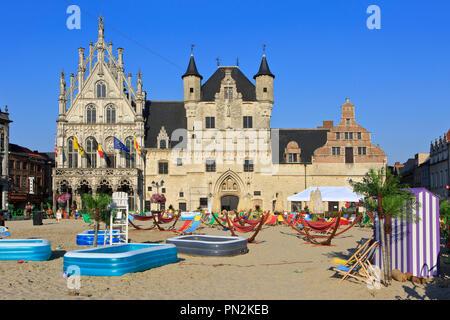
(272, 220)
(194, 225)
(184, 226)
(86, 218)
(358, 264)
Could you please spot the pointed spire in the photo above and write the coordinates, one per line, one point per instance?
(62, 84)
(101, 29)
(264, 67)
(192, 68)
(139, 81)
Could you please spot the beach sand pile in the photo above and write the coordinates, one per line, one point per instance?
(279, 266)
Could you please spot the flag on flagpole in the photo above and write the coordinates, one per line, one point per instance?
(137, 147)
(76, 146)
(100, 151)
(119, 145)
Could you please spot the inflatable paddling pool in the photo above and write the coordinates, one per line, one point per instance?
(205, 245)
(86, 238)
(119, 259)
(25, 249)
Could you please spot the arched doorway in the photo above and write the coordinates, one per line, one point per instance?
(228, 193)
(105, 187)
(229, 203)
(83, 188)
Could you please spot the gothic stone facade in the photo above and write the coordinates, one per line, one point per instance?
(215, 148)
(100, 105)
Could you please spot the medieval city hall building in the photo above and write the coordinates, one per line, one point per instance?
(215, 149)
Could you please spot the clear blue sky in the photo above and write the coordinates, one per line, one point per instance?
(320, 51)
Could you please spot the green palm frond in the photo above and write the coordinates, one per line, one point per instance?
(99, 201)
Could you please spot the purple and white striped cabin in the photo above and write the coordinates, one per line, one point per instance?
(415, 247)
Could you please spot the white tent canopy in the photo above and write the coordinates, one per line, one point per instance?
(328, 194)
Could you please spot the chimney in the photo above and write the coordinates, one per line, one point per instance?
(327, 124)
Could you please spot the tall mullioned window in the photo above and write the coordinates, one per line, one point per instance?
(91, 114)
(248, 122)
(110, 114)
(91, 152)
(101, 90)
(210, 122)
(72, 155)
(2, 142)
(163, 167)
(130, 157)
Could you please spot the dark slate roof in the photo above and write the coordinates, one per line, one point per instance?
(243, 85)
(264, 69)
(170, 114)
(192, 69)
(15, 148)
(50, 156)
(308, 141)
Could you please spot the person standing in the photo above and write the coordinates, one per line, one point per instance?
(28, 209)
(58, 215)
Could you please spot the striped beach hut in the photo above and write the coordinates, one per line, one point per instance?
(415, 245)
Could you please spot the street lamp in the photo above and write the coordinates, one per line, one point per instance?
(157, 185)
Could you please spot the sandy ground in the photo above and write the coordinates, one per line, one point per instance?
(281, 266)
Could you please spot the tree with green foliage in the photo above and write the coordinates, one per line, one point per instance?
(444, 213)
(97, 207)
(384, 194)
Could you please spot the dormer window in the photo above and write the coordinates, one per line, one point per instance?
(229, 93)
(101, 90)
(163, 139)
(292, 152)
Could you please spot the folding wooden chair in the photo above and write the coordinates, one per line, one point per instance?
(357, 265)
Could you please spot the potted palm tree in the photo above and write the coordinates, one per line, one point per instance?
(388, 197)
(98, 208)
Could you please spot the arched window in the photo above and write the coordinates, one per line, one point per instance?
(73, 154)
(91, 114)
(101, 90)
(130, 157)
(91, 152)
(292, 152)
(110, 114)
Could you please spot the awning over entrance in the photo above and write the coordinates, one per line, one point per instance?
(328, 194)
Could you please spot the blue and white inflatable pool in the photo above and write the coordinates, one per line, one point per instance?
(119, 259)
(25, 249)
(86, 238)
